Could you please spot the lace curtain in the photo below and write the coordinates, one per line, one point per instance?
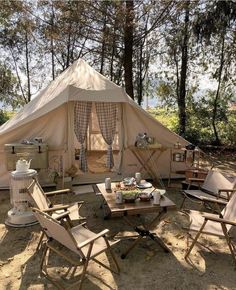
(82, 112)
(107, 113)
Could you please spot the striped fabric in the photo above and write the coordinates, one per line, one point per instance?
(82, 112)
(107, 113)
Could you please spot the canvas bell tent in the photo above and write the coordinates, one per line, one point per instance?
(90, 126)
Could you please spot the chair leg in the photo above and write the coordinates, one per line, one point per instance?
(40, 241)
(195, 239)
(112, 255)
(85, 266)
(182, 204)
(114, 260)
(227, 237)
(42, 262)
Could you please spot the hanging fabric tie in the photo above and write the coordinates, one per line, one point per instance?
(82, 112)
(107, 113)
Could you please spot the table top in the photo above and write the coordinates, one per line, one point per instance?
(138, 207)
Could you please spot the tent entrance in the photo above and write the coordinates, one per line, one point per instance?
(96, 146)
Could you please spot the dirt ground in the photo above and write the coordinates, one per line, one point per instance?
(146, 267)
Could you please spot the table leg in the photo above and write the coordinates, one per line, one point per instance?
(103, 206)
(123, 256)
(144, 233)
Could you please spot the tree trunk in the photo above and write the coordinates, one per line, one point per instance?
(52, 44)
(113, 50)
(18, 75)
(103, 50)
(183, 76)
(215, 104)
(140, 79)
(128, 47)
(27, 68)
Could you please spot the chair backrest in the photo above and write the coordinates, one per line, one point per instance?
(38, 195)
(55, 230)
(216, 180)
(229, 212)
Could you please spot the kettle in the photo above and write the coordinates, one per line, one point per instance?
(22, 165)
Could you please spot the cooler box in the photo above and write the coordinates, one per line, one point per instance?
(37, 152)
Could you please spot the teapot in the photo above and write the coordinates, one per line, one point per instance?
(22, 165)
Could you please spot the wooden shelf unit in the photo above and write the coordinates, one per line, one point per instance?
(182, 155)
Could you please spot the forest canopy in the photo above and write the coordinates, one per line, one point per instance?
(179, 53)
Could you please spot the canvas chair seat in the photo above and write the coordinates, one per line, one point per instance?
(212, 228)
(83, 243)
(216, 186)
(197, 193)
(82, 234)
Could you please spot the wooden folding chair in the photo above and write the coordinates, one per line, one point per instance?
(42, 202)
(83, 243)
(216, 187)
(213, 224)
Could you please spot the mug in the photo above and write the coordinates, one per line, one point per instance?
(138, 177)
(108, 183)
(156, 197)
(118, 197)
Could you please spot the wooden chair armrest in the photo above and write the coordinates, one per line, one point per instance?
(227, 190)
(196, 179)
(214, 200)
(218, 219)
(61, 191)
(62, 215)
(88, 241)
(57, 207)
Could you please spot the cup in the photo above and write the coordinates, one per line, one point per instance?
(108, 183)
(119, 198)
(156, 197)
(138, 177)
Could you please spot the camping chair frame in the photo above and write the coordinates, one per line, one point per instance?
(84, 258)
(223, 222)
(211, 203)
(213, 224)
(46, 205)
(209, 197)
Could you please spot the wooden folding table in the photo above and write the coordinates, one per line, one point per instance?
(137, 208)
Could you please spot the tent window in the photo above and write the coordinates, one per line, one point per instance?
(95, 141)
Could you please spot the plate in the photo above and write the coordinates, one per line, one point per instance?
(144, 185)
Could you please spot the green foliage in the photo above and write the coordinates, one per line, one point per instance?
(9, 87)
(3, 117)
(166, 117)
(199, 127)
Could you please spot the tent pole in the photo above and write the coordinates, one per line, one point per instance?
(122, 136)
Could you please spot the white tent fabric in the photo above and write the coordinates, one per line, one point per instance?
(50, 115)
